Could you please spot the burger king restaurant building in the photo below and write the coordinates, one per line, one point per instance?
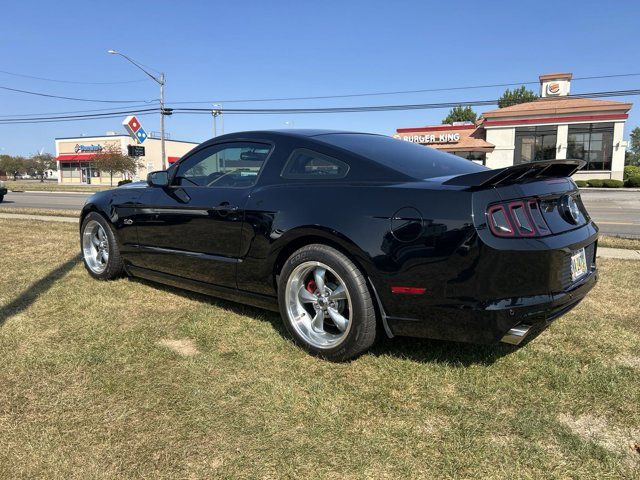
(76, 155)
(553, 127)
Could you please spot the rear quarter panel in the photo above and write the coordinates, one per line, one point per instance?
(358, 219)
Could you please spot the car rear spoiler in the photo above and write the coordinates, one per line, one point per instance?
(517, 173)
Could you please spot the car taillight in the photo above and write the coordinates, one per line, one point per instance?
(520, 218)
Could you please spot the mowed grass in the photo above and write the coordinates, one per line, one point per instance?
(126, 379)
(619, 242)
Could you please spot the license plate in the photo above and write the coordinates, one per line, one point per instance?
(578, 264)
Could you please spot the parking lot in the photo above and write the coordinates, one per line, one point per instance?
(177, 385)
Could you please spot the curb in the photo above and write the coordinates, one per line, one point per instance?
(46, 218)
(47, 192)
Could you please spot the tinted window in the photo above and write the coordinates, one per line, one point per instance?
(309, 164)
(227, 165)
(535, 143)
(592, 142)
(414, 160)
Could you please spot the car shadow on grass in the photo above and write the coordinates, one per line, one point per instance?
(405, 348)
(31, 294)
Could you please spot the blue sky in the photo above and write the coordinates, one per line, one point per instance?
(220, 50)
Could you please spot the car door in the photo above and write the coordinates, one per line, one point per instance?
(192, 228)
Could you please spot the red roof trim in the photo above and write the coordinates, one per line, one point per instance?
(575, 118)
(173, 159)
(75, 157)
(435, 128)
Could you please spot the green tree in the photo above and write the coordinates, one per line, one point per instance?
(518, 95)
(40, 163)
(633, 152)
(460, 114)
(13, 166)
(113, 161)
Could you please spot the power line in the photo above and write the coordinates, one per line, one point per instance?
(380, 108)
(267, 111)
(39, 94)
(398, 92)
(95, 116)
(75, 82)
(70, 112)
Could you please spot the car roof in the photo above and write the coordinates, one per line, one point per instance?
(290, 132)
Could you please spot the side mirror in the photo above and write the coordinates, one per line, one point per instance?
(158, 179)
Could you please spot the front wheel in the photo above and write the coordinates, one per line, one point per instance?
(100, 250)
(325, 303)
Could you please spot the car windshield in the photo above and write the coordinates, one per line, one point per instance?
(414, 160)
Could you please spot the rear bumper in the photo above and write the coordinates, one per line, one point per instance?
(510, 320)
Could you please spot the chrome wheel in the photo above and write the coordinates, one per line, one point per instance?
(318, 305)
(95, 247)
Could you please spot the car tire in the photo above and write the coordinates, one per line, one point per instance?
(99, 248)
(1, 198)
(325, 303)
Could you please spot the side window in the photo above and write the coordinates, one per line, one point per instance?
(234, 164)
(307, 164)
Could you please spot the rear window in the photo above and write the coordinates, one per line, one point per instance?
(414, 160)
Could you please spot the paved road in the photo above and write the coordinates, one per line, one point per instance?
(48, 200)
(616, 212)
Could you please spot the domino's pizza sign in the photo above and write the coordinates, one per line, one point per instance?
(132, 125)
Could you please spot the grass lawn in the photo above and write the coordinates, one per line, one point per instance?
(52, 186)
(129, 380)
(618, 242)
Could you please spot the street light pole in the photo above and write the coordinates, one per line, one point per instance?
(161, 81)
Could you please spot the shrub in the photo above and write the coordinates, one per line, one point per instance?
(631, 171)
(633, 182)
(581, 183)
(595, 183)
(123, 182)
(612, 183)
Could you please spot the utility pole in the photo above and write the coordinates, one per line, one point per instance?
(161, 81)
(217, 112)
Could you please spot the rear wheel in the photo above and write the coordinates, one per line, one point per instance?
(325, 303)
(100, 250)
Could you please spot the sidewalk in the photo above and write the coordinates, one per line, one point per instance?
(623, 253)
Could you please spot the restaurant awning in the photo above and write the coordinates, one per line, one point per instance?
(76, 157)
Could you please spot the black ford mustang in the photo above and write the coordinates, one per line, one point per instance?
(347, 234)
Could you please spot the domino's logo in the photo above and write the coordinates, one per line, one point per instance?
(133, 126)
(141, 135)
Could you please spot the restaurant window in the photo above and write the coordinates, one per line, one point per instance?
(477, 157)
(535, 143)
(593, 143)
(70, 169)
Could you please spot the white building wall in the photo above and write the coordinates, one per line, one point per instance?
(504, 141)
(562, 141)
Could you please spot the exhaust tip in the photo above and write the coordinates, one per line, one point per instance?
(516, 335)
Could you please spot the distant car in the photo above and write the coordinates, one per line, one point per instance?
(350, 234)
(3, 191)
